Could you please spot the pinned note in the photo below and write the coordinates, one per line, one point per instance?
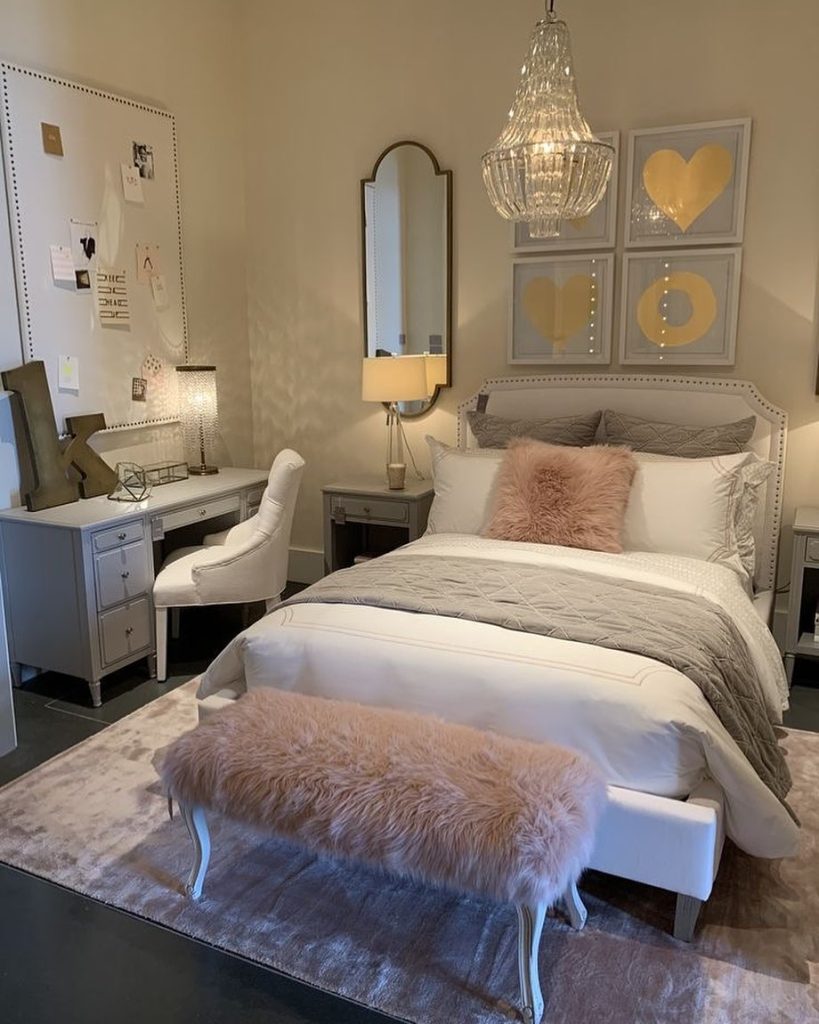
(160, 291)
(68, 373)
(112, 298)
(147, 262)
(131, 184)
(62, 263)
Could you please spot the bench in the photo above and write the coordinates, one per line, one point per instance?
(432, 801)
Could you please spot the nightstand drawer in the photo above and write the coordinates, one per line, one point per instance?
(812, 549)
(125, 534)
(345, 507)
(121, 574)
(125, 631)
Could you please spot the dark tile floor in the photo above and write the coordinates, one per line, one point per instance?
(64, 957)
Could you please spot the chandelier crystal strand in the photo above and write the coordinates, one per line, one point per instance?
(547, 166)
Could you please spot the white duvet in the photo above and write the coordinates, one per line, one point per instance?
(646, 725)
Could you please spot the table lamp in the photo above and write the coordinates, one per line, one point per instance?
(390, 380)
(197, 412)
(436, 368)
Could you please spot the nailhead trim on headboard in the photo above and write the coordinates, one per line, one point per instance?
(766, 577)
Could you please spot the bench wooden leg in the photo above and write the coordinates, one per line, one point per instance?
(198, 830)
(530, 926)
(574, 907)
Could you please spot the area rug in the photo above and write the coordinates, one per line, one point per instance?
(93, 819)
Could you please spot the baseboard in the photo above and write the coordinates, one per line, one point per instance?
(305, 565)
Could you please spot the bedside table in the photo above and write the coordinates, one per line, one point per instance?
(804, 593)
(363, 517)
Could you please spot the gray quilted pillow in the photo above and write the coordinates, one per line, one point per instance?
(496, 432)
(675, 439)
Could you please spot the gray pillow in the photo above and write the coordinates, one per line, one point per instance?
(495, 432)
(687, 442)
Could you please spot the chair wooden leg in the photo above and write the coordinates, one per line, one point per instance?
(176, 614)
(161, 644)
(530, 926)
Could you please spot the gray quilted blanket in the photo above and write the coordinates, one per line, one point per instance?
(681, 630)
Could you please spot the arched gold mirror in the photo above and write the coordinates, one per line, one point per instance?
(406, 220)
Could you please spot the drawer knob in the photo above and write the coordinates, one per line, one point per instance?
(125, 575)
(203, 511)
(129, 630)
(366, 510)
(121, 536)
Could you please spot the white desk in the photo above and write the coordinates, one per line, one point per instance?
(77, 579)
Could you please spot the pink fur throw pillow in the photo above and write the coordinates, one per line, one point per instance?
(550, 494)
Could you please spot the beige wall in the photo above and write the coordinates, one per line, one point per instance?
(330, 85)
(184, 56)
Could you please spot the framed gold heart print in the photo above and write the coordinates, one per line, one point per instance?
(679, 307)
(561, 309)
(597, 231)
(686, 184)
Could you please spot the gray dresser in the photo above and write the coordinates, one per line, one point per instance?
(77, 579)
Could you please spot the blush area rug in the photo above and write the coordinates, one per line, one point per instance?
(93, 819)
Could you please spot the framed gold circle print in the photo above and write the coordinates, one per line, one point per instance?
(679, 307)
(686, 184)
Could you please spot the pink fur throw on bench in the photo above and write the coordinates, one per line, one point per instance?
(438, 802)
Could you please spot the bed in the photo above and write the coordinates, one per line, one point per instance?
(678, 783)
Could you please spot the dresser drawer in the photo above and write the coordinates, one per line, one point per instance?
(253, 498)
(197, 513)
(121, 573)
(125, 534)
(346, 507)
(125, 630)
(812, 549)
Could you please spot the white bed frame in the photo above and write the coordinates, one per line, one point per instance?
(673, 844)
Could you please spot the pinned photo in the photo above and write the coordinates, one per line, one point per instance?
(144, 159)
(83, 250)
(139, 389)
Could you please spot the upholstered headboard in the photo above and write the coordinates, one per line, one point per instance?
(679, 399)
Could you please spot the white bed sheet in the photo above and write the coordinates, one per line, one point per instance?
(646, 725)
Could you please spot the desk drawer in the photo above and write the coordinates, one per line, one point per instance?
(197, 513)
(121, 573)
(125, 630)
(345, 507)
(125, 534)
(812, 549)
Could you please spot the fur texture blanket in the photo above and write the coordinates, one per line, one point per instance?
(441, 803)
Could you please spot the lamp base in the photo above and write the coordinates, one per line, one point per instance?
(396, 476)
(203, 470)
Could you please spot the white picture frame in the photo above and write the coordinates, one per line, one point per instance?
(686, 184)
(599, 229)
(528, 342)
(646, 314)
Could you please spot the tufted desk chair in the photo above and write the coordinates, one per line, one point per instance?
(245, 563)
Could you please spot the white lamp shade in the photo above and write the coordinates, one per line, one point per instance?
(394, 379)
(435, 367)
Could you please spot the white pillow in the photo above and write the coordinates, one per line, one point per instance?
(464, 480)
(687, 507)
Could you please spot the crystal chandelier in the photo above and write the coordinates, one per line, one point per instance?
(547, 166)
